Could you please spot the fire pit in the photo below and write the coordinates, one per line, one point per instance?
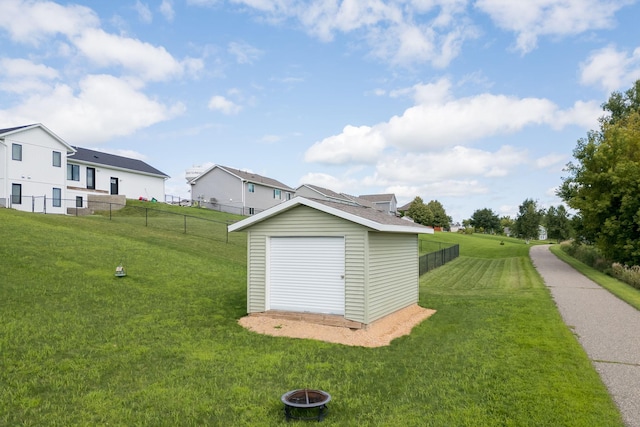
(297, 404)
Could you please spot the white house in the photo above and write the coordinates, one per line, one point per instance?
(91, 172)
(33, 165)
(40, 172)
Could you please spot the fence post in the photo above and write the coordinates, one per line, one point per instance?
(185, 224)
(146, 217)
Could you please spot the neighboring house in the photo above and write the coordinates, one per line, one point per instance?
(404, 208)
(542, 233)
(235, 191)
(91, 172)
(40, 172)
(33, 164)
(383, 202)
(342, 260)
(310, 191)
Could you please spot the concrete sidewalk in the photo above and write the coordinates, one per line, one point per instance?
(607, 328)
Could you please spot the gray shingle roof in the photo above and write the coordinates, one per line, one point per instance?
(368, 217)
(255, 178)
(370, 213)
(378, 198)
(101, 158)
(328, 193)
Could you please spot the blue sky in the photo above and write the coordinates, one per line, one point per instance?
(476, 104)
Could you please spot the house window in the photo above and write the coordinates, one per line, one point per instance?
(16, 194)
(252, 188)
(73, 172)
(78, 201)
(277, 194)
(252, 211)
(16, 152)
(91, 178)
(57, 197)
(288, 196)
(57, 159)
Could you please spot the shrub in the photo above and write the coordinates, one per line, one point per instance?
(629, 275)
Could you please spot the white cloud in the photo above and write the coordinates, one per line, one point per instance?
(166, 9)
(532, 19)
(457, 163)
(610, 68)
(550, 160)
(33, 22)
(141, 58)
(95, 113)
(355, 144)
(244, 52)
(143, 12)
(22, 76)
(439, 120)
(401, 32)
(222, 104)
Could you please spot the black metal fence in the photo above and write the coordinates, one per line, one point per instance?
(149, 216)
(428, 262)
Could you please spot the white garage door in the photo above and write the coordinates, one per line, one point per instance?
(306, 274)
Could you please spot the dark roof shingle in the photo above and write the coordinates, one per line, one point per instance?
(101, 158)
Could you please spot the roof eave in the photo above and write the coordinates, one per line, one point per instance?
(301, 201)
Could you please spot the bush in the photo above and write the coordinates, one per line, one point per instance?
(629, 275)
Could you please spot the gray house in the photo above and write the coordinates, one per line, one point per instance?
(330, 258)
(235, 191)
(384, 202)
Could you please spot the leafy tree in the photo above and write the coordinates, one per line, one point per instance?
(440, 217)
(485, 219)
(506, 222)
(558, 223)
(420, 212)
(604, 182)
(527, 222)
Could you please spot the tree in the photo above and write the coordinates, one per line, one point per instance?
(485, 219)
(558, 223)
(604, 182)
(440, 217)
(506, 222)
(527, 222)
(420, 212)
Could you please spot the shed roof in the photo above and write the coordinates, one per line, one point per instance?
(362, 215)
(98, 157)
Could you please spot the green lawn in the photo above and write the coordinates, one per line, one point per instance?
(161, 347)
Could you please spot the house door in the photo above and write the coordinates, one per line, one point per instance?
(306, 274)
(114, 185)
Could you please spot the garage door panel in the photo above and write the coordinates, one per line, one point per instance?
(307, 274)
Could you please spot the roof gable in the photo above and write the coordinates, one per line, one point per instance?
(18, 129)
(101, 158)
(326, 192)
(365, 216)
(379, 198)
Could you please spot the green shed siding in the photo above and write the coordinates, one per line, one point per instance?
(393, 273)
(306, 221)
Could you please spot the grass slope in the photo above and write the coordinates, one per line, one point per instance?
(161, 347)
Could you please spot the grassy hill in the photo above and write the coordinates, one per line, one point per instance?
(162, 347)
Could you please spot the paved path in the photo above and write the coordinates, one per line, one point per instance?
(607, 327)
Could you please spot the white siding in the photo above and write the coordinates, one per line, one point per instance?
(35, 173)
(393, 273)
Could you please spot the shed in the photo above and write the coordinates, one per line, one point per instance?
(332, 259)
